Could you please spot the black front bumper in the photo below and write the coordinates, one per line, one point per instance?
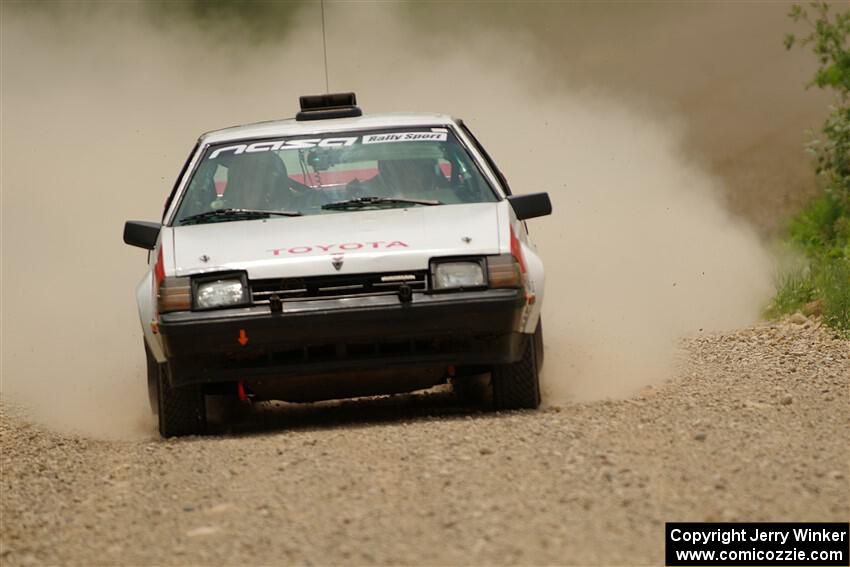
(328, 335)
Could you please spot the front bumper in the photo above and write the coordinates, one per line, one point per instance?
(341, 334)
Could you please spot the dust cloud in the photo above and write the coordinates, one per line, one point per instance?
(101, 105)
(642, 255)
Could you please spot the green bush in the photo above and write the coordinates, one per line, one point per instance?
(822, 227)
(821, 231)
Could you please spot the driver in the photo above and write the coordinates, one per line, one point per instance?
(260, 181)
(415, 178)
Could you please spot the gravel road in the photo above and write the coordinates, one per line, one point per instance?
(754, 428)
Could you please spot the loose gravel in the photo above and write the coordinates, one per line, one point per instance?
(753, 428)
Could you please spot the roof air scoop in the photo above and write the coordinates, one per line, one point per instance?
(331, 105)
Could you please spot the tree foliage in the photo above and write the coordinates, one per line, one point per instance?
(829, 39)
(230, 23)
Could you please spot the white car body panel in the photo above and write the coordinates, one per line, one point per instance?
(146, 296)
(368, 241)
(147, 313)
(291, 127)
(536, 279)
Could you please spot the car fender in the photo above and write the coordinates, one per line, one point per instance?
(146, 294)
(536, 280)
(147, 314)
(535, 275)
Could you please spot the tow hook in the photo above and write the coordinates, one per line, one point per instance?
(405, 293)
(243, 393)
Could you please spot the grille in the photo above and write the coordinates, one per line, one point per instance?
(329, 352)
(288, 289)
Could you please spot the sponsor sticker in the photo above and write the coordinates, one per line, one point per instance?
(277, 145)
(437, 135)
(405, 137)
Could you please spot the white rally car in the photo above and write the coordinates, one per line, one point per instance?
(338, 255)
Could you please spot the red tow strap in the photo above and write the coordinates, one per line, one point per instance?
(240, 391)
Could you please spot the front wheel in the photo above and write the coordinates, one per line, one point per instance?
(517, 385)
(182, 410)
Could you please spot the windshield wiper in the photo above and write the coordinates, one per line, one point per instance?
(361, 202)
(236, 214)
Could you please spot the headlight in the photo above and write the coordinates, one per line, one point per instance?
(223, 292)
(458, 274)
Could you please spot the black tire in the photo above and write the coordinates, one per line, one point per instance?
(517, 385)
(538, 343)
(153, 379)
(472, 390)
(182, 411)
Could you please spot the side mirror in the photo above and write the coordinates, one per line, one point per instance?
(142, 234)
(531, 206)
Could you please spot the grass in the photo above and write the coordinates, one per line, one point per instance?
(828, 283)
(795, 287)
(833, 285)
(820, 235)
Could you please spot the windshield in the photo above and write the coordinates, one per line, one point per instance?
(331, 173)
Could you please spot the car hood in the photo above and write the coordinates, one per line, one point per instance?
(384, 240)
